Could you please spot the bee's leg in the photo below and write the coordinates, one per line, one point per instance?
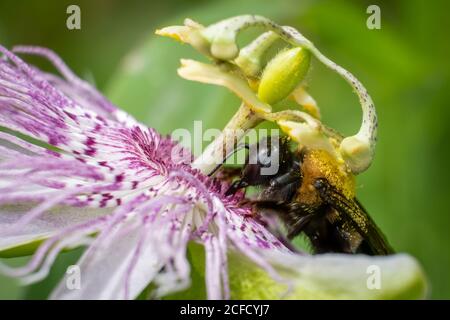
(299, 225)
(235, 186)
(275, 210)
(289, 177)
(264, 203)
(298, 216)
(272, 200)
(281, 189)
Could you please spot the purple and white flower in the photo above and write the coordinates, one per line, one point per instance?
(148, 206)
(77, 171)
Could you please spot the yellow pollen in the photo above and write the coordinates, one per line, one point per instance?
(336, 173)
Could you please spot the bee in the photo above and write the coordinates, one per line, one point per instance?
(313, 195)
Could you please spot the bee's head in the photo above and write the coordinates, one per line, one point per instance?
(266, 160)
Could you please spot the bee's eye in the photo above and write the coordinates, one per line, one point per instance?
(264, 157)
(268, 152)
(263, 153)
(320, 183)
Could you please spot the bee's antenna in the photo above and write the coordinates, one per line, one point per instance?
(238, 147)
(235, 186)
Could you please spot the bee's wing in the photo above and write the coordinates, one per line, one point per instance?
(375, 238)
(354, 212)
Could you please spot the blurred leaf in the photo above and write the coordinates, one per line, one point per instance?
(42, 290)
(10, 287)
(341, 28)
(20, 250)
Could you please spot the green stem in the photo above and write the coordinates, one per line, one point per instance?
(227, 141)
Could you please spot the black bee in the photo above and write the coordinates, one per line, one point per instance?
(312, 194)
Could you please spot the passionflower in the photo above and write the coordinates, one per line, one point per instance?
(77, 171)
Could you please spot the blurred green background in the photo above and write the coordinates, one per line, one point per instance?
(404, 65)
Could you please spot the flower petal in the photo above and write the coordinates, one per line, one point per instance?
(25, 241)
(102, 274)
(124, 260)
(330, 276)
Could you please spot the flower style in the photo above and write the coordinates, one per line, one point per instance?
(77, 171)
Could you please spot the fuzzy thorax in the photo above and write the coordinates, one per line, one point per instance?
(319, 163)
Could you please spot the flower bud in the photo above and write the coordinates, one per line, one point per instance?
(283, 73)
